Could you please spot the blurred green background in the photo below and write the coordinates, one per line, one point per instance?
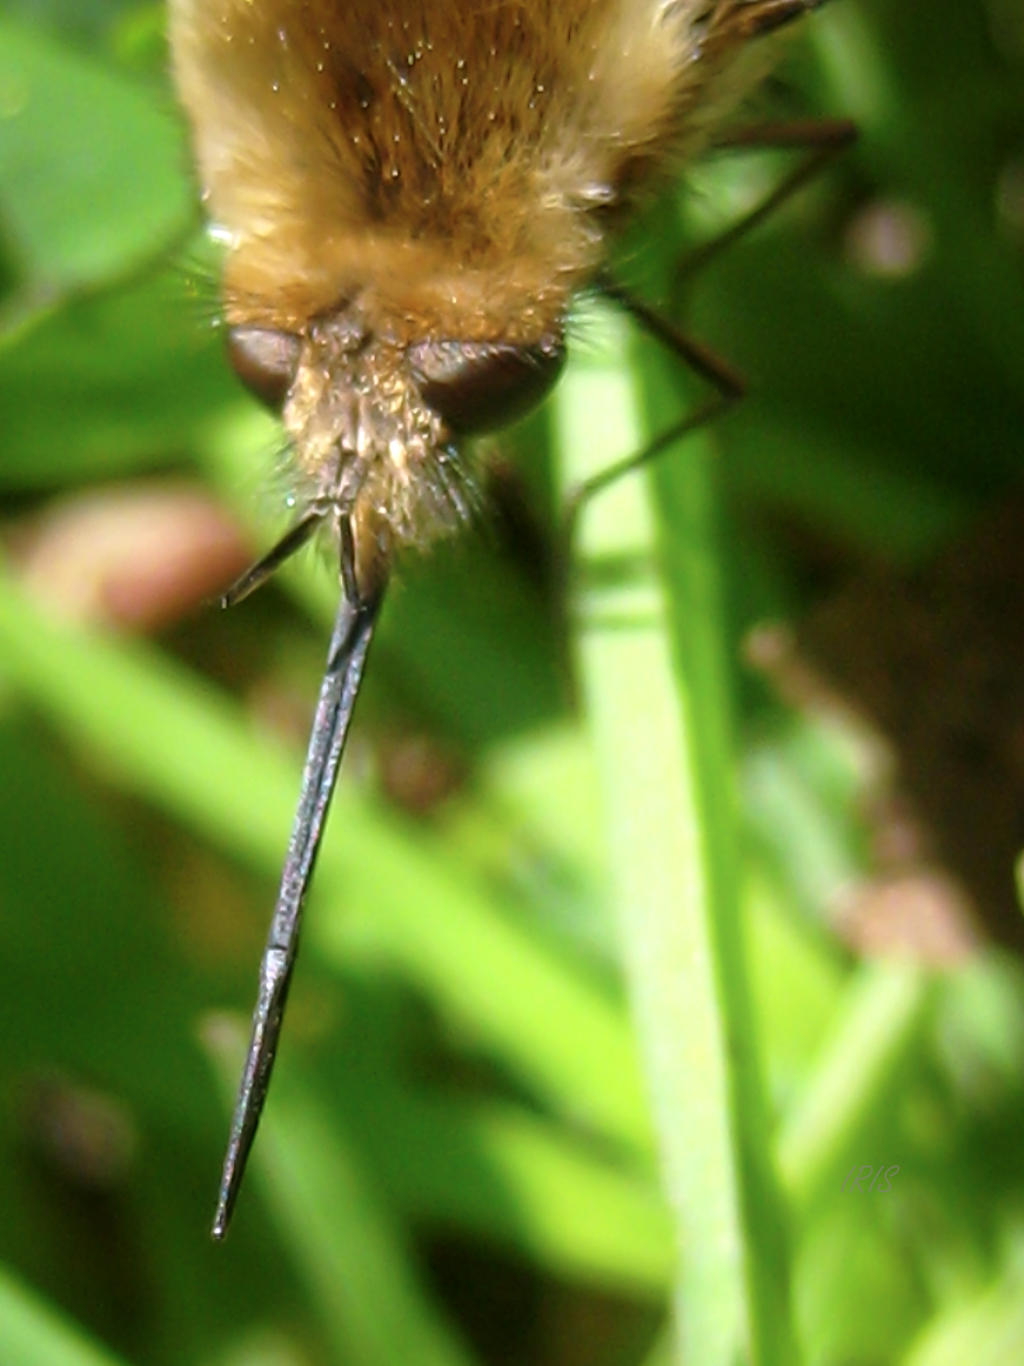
(457, 1159)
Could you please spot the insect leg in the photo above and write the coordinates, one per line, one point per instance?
(727, 382)
(293, 540)
(752, 18)
(822, 140)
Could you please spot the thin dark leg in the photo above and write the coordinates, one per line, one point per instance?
(757, 17)
(346, 661)
(729, 384)
(823, 140)
(694, 354)
(286, 547)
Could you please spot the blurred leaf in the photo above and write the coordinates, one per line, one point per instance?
(74, 133)
(513, 1178)
(107, 384)
(344, 1236)
(82, 953)
(986, 1329)
(34, 1333)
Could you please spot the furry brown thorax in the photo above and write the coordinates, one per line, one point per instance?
(407, 184)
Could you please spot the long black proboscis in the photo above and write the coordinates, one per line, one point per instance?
(346, 661)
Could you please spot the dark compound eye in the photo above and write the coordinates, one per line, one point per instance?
(477, 386)
(265, 361)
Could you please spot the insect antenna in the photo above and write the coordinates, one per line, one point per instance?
(346, 660)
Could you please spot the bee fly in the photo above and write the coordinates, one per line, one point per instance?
(412, 192)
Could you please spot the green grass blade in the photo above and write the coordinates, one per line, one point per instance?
(986, 1329)
(36, 1333)
(343, 1236)
(497, 1171)
(660, 728)
(884, 1014)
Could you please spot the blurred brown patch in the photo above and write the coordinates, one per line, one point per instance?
(417, 772)
(138, 556)
(933, 660)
